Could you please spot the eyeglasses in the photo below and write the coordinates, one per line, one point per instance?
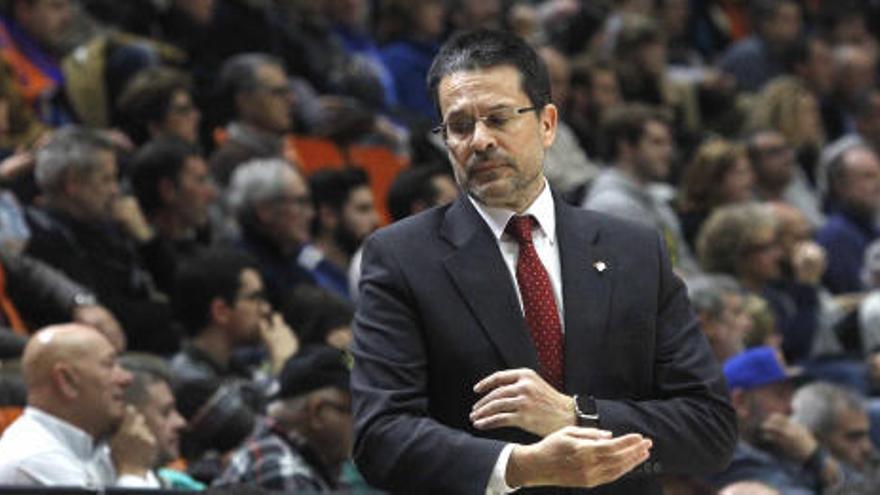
(282, 91)
(460, 127)
(760, 247)
(182, 109)
(257, 295)
(302, 201)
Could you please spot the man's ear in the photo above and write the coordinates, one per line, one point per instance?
(740, 401)
(314, 404)
(329, 218)
(264, 212)
(66, 380)
(70, 183)
(167, 190)
(221, 311)
(549, 122)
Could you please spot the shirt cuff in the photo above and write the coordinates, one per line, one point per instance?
(497, 482)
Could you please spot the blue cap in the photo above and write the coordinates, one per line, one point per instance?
(757, 367)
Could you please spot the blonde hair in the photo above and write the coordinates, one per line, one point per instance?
(780, 106)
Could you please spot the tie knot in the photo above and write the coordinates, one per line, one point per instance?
(520, 228)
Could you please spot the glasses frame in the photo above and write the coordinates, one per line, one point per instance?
(442, 131)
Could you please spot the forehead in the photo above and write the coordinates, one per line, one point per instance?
(250, 280)
(483, 89)
(361, 194)
(270, 73)
(654, 129)
(195, 164)
(770, 138)
(160, 394)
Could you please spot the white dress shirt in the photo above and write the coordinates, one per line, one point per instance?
(39, 449)
(545, 242)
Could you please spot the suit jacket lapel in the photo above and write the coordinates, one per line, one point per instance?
(483, 280)
(586, 294)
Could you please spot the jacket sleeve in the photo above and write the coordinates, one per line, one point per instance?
(689, 418)
(398, 446)
(41, 293)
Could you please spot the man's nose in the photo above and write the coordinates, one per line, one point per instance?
(483, 138)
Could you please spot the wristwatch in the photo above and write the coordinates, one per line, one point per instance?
(84, 299)
(585, 411)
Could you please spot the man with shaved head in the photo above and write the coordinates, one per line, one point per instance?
(75, 404)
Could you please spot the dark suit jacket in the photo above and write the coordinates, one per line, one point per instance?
(438, 312)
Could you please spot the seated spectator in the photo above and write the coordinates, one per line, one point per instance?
(221, 302)
(641, 139)
(412, 31)
(307, 435)
(743, 241)
(777, 174)
(259, 98)
(718, 174)
(218, 421)
(157, 102)
(838, 418)
(150, 392)
(854, 200)
(100, 238)
(345, 214)
(74, 406)
(271, 201)
(772, 448)
(418, 188)
(755, 60)
(413, 190)
(785, 106)
(175, 190)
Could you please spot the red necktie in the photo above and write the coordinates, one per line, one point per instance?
(539, 304)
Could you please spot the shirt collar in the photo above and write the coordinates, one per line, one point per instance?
(77, 440)
(543, 209)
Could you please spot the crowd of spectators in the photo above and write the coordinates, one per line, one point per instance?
(185, 186)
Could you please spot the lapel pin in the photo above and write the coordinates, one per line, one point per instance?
(600, 266)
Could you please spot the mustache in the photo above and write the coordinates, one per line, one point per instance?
(491, 155)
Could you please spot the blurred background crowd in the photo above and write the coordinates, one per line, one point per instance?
(194, 179)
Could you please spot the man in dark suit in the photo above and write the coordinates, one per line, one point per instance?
(557, 351)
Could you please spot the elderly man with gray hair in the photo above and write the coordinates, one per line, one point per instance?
(99, 237)
(838, 418)
(271, 201)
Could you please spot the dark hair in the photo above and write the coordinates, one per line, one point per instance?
(314, 312)
(764, 11)
(333, 187)
(627, 123)
(411, 185)
(218, 418)
(146, 369)
(162, 158)
(484, 49)
(214, 273)
(147, 99)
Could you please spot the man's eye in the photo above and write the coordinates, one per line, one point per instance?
(460, 126)
(496, 120)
